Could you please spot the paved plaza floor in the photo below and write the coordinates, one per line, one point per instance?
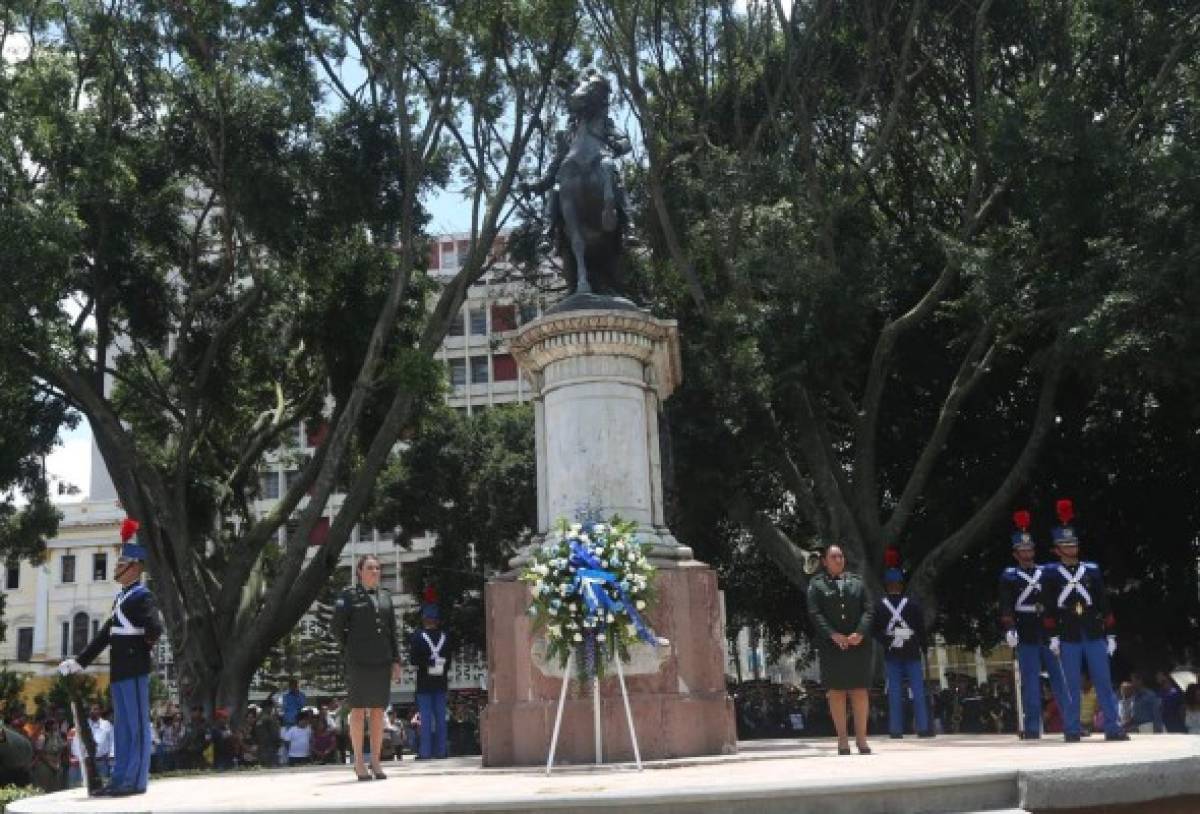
(940, 776)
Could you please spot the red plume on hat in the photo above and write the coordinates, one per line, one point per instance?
(1021, 519)
(1065, 509)
(129, 527)
(891, 557)
(429, 595)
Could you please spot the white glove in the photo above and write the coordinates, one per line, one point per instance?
(1112, 644)
(1054, 645)
(1012, 638)
(69, 667)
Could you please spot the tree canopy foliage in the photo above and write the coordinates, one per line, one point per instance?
(472, 481)
(213, 230)
(931, 260)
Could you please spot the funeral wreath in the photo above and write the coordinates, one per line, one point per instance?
(591, 584)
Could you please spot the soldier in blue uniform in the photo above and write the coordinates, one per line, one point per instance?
(899, 627)
(130, 633)
(1022, 609)
(1078, 617)
(430, 651)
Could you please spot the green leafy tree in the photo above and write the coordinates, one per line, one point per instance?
(211, 229)
(895, 237)
(472, 482)
(12, 685)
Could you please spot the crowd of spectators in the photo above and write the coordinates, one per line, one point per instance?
(964, 705)
(294, 732)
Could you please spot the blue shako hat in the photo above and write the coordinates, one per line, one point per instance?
(893, 575)
(1064, 533)
(1021, 537)
(131, 550)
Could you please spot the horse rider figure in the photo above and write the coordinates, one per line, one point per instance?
(588, 211)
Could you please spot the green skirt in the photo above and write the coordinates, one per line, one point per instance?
(368, 685)
(851, 669)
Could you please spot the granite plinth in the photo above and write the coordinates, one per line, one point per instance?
(677, 691)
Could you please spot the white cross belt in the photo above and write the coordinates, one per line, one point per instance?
(1034, 585)
(1074, 583)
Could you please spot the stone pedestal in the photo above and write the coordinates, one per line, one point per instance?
(599, 378)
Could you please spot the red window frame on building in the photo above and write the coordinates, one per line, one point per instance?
(504, 368)
(504, 318)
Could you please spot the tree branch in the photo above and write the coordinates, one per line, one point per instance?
(967, 535)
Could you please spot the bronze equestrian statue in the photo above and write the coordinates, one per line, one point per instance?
(588, 212)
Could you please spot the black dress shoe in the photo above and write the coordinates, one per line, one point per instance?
(925, 734)
(896, 737)
(1119, 736)
(103, 791)
(123, 792)
(1072, 738)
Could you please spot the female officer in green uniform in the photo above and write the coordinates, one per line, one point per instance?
(365, 622)
(841, 614)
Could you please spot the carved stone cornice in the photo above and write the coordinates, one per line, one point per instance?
(633, 334)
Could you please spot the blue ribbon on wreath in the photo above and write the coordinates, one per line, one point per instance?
(592, 582)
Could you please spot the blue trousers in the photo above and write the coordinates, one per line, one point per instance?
(131, 733)
(1031, 659)
(432, 741)
(897, 672)
(1095, 653)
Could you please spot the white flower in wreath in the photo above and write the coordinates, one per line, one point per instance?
(603, 563)
(640, 604)
(611, 618)
(631, 629)
(573, 607)
(599, 637)
(578, 637)
(619, 545)
(576, 528)
(555, 630)
(599, 528)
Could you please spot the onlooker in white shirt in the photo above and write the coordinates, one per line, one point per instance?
(299, 741)
(102, 736)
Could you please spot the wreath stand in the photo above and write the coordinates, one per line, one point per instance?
(562, 699)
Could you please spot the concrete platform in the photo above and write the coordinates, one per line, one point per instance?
(949, 775)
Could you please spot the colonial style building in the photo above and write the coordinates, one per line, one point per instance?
(53, 608)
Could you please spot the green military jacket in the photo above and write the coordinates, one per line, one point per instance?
(365, 623)
(844, 611)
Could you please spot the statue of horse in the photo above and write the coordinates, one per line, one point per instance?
(588, 211)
